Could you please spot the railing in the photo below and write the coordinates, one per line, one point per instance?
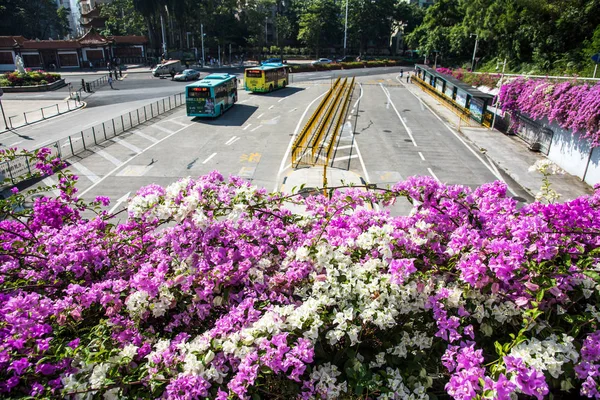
(463, 113)
(90, 137)
(29, 117)
(315, 145)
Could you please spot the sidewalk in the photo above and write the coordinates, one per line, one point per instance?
(508, 153)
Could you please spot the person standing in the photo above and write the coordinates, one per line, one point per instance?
(110, 81)
(401, 73)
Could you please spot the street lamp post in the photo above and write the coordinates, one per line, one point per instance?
(497, 96)
(346, 28)
(164, 36)
(202, 35)
(474, 51)
(188, 38)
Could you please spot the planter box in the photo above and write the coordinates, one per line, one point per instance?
(41, 88)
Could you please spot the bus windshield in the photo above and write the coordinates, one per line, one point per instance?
(199, 92)
(253, 73)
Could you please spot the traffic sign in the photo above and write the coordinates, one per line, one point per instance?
(596, 58)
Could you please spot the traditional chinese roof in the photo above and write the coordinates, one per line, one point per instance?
(11, 41)
(50, 44)
(93, 38)
(130, 39)
(93, 13)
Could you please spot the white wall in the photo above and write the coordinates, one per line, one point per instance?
(568, 150)
(592, 176)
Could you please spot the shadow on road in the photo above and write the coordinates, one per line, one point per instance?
(285, 92)
(235, 116)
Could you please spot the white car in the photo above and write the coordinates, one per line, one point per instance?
(322, 61)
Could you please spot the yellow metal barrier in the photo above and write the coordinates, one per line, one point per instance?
(326, 121)
(340, 120)
(300, 142)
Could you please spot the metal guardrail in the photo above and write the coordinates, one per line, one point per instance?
(30, 117)
(317, 141)
(78, 143)
(300, 142)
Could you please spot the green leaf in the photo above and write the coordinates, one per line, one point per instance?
(498, 348)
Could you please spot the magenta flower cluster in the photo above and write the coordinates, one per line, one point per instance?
(212, 288)
(573, 106)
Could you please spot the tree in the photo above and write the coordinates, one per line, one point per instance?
(319, 23)
(34, 19)
(123, 19)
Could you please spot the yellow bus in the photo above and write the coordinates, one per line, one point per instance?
(266, 78)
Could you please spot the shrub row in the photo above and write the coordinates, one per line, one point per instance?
(30, 78)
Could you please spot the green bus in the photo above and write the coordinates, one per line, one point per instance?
(211, 96)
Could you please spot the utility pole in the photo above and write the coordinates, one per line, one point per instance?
(229, 53)
(474, 51)
(202, 35)
(346, 28)
(497, 96)
(164, 36)
(2, 109)
(219, 50)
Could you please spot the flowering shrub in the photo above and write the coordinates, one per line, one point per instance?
(572, 106)
(213, 289)
(29, 78)
(485, 79)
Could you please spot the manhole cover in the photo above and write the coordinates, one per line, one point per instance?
(407, 140)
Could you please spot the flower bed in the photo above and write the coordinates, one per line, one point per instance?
(485, 79)
(345, 65)
(212, 289)
(29, 78)
(572, 106)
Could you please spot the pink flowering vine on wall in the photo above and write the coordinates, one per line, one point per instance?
(572, 106)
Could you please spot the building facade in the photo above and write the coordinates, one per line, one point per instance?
(90, 51)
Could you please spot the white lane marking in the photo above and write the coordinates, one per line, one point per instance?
(143, 135)
(282, 99)
(232, 140)
(118, 203)
(398, 114)
(271, 107)
(130, 159)
(463, 142)
(320, 77)
(123, 143)
(359, 97)
(260, 116)
(289, 148)
(177, 122)
(421, 155)
(16, 143)
(164, 129)
(292, 110)
(243, 101)
(344, 147)
(432, 174)
(252, 130)
(209, 157)
(110, 158)
(86, 172)
(246, 127)
(50, 182)
(345, 157)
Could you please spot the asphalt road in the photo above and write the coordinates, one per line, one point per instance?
(389, 136)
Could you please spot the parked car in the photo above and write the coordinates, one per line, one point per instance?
(187, 75)
(346, 59)
(271, 61)
(322, 61)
